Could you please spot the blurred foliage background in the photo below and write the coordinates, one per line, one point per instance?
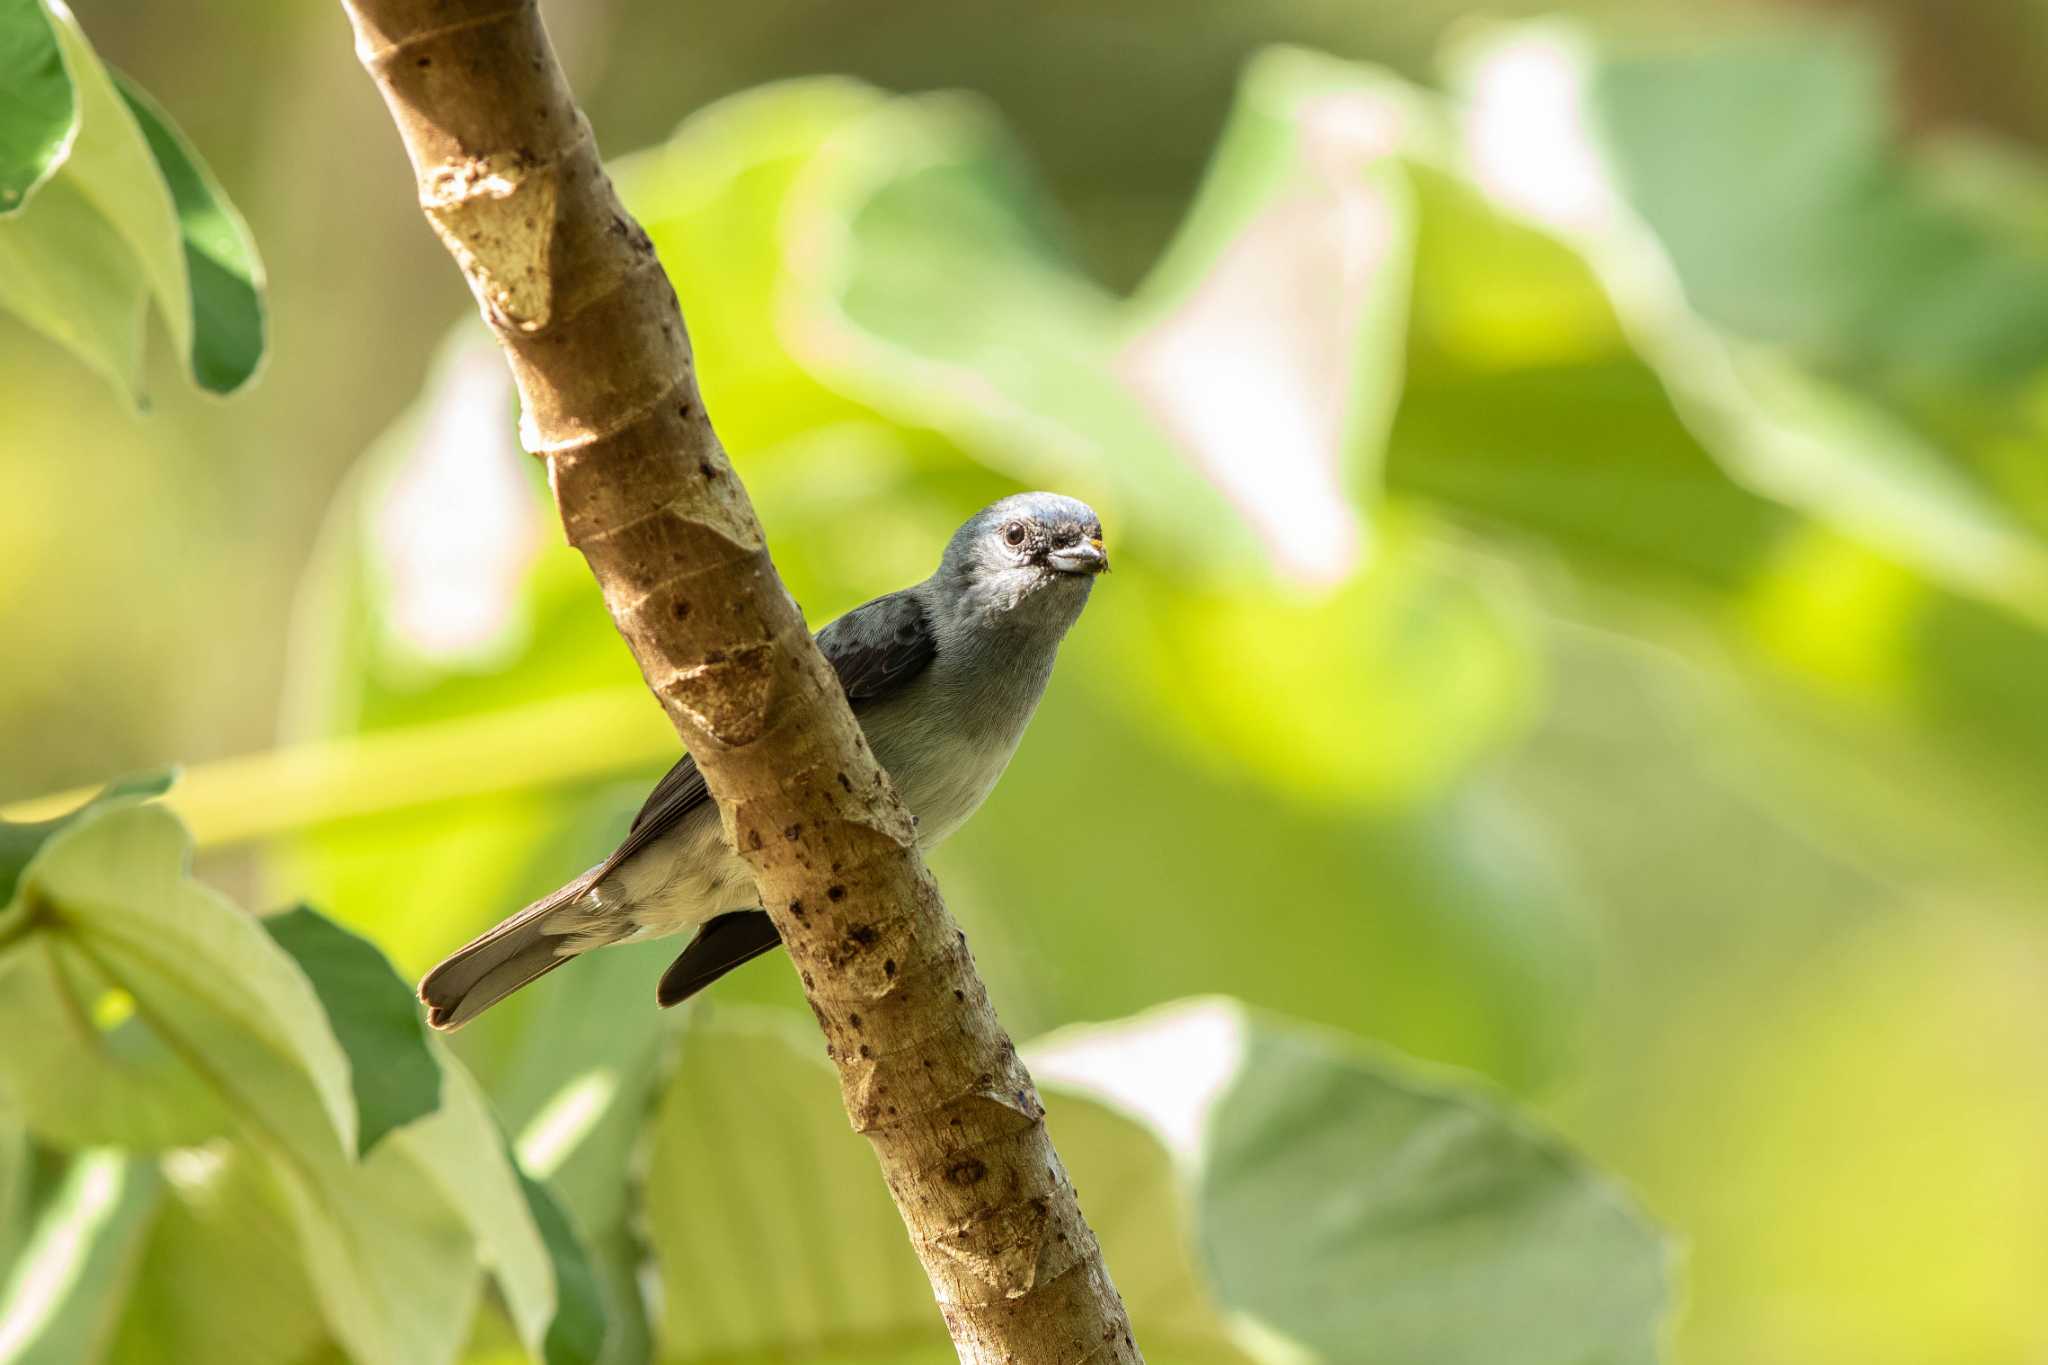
(1578, 491)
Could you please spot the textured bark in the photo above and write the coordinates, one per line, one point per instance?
(509, 178)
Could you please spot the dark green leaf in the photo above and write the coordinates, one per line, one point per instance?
(38, 109)
(226, 277)
(577, 1333)
(374, 1016)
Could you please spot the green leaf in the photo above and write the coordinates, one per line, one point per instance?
(71, 276)
(131, 215)
(130, 254)
(1399, 681)
(774, 1241)
(771, 1234)
(60, 1300)
(922, 203)
(38, 112)
(712, 198)
(1759, 311)
(396, 1268)
(1441, 927)
(106, 920)
(396, 1244)
(577, 1088)
(1369, 1215)
(437, 1134)
(1841, 248)
(540, 1264)
(1256, 1188)
(19, 842)
(17, 1177)
(576, 1332)
(226, 277)
(376, 1020)
(221, 1276)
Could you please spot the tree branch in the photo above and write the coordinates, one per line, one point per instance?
(509, 177)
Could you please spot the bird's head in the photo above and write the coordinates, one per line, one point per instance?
(1040, 551)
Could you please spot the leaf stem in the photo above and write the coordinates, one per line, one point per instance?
(279, 791)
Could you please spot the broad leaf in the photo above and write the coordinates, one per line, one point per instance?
(38, 112)
(775, 1241)
(1371, 1215)
(105, 920)
(1256, 1188)
(392, 1071)
(225, 278)
(130, 215)
(17, 1173)
(396, 1268)
(443, 1159)
(19, 842)
(1377, 694)
(220, 1276)
(521, 1233)
(61, 1298)
(110, 174)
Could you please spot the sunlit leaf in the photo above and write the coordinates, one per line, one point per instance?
(67, 272)
(109, 174)
(131, 214)
(396, 1268)
(19, 842)
(1584, 141)
(435, 1128)
(220, 1276)
(924, 203)
(107, 905)
(61, 1298)
(713, 199)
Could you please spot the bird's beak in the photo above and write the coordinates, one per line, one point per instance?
(1085, 558)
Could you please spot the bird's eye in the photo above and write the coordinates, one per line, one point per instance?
(1014, 533)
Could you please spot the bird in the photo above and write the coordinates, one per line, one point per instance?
(942, 676)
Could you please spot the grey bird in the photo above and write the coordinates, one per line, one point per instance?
(942, 676)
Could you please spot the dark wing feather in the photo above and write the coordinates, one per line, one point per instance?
(720, 946)
(875, 649)
(879, 647)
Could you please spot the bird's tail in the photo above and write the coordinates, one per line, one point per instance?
(499, 961)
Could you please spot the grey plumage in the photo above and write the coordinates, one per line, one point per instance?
(943, 677)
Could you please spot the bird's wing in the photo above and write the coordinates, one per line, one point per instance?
(879, 647)
(724, 943)
(875, 649)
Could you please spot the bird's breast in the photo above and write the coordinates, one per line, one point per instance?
(945, 744)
